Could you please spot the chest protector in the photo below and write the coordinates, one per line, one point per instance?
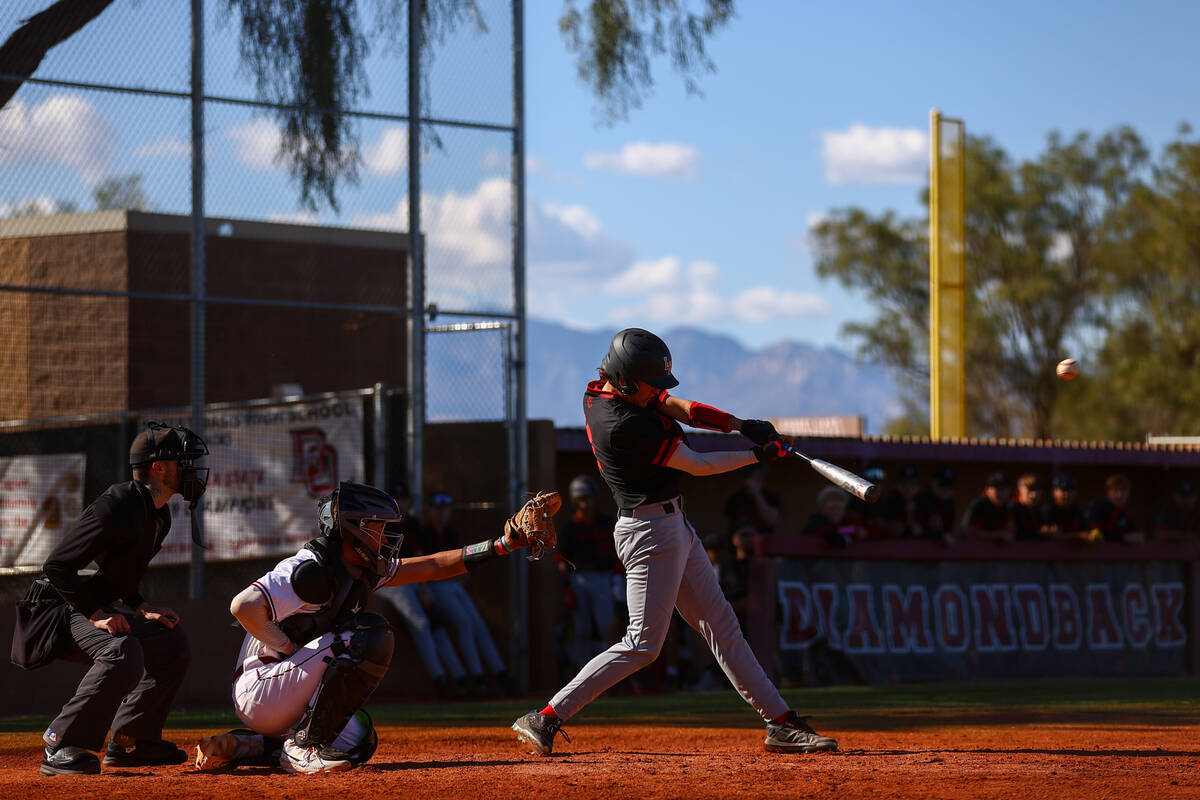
(349, 595)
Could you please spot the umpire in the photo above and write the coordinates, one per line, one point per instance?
(137, 658)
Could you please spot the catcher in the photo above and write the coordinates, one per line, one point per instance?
(312, 656)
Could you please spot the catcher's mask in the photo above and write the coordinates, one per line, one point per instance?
(638, 355)
(365, 517)
(162, 442)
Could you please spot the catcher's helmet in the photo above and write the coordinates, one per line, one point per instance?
(582, 486)
(638, 355)
(365, 517)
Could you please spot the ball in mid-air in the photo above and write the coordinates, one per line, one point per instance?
(1067, 369)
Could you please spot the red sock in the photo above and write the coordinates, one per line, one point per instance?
(548, 711)
(782, 718)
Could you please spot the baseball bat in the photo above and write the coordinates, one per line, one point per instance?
(841, 478)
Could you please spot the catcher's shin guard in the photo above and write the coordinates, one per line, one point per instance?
(355, 671)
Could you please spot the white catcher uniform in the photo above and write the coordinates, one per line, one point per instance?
(271, 694)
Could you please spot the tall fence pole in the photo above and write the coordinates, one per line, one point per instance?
(416, 265)
(196, 575)
(520, 573)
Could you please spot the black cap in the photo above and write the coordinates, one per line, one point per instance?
(944, 476)
(440, 498)
(1065, 482)
(907, 472)
(161, 443)
(997, 479)
(1185, 486)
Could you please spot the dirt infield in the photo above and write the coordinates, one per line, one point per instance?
(989, 756)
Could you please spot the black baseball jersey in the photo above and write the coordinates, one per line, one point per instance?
(631, 445)
(986, 515)
(1112, 520)
(588, 545)
(1171, 517)
(1069, 519)
(1028, 520)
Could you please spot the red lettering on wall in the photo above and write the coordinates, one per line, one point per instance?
(1135, 614)
(1103, 633)
(825, 597)
(1032, 619)
(862, 632)
(799, 622)
(1168, 606)
(1064, 608)
(907, 616)
(993, 619)
(950, 618)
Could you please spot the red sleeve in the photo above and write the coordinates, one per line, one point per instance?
(702, 416)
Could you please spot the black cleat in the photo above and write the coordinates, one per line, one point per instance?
(142, 753)
(538, 731)
(69, 760)
(794, 735)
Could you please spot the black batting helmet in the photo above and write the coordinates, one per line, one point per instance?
(365, 517)
(638, 355)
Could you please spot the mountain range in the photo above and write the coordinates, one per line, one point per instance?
(784, 379)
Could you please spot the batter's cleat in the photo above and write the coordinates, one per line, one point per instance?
(125, 751)
(69, 760)
(794, 735)
(227, 750)
(295, 758)
(538, 731)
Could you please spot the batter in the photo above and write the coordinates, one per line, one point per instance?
(633, 425)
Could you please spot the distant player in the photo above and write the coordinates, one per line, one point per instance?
(311, 655)
(633, 426)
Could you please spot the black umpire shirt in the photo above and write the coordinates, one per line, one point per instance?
(632, 445)
(120, 531)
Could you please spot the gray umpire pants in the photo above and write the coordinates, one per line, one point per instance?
(130, 684)
(666, 568)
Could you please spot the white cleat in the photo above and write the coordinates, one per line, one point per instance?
(295, 758)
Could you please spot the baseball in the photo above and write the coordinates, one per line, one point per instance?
(1067, 369)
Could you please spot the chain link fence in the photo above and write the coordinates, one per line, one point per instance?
(157, 255)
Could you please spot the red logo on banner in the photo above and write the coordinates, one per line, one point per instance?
(314, 461)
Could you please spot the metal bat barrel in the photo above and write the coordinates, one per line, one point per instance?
(847, 480)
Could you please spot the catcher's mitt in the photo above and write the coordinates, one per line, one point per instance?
(533, 525)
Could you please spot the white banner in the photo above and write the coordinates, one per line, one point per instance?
(269, 464)
(40, 497)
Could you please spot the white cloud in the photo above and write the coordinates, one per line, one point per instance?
(300, 216)
(815, 218)
(164, 148)
(256, 143)
(65, 130)
(35, 206)
(862, 154)
(657, 160)
(389, 155)
(666, 291)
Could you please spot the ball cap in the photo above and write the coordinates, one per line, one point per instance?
(907, 473)
(1185, 486)
(1066, 483)
(997, 479)
(944, 476)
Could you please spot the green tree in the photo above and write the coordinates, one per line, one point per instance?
(1145, 375)
(123, 192)
(309, 55)
(1039, 239)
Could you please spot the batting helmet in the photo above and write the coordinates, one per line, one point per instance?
(365, 517)
(638, 355)
(582, 486)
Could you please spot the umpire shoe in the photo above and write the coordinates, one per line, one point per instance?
(295, 758)
(538, 731)
(69, 760)
(125, 751)
(794, 735)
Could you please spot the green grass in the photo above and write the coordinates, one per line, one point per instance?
(1174, 701)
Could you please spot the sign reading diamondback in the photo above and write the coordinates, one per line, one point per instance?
(917, 620)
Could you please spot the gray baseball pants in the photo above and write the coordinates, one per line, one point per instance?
(667, 568)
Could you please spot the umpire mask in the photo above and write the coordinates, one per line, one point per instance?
(162, 442)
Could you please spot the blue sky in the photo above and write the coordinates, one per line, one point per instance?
(693, 211)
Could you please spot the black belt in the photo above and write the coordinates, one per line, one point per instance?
(667, 508)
